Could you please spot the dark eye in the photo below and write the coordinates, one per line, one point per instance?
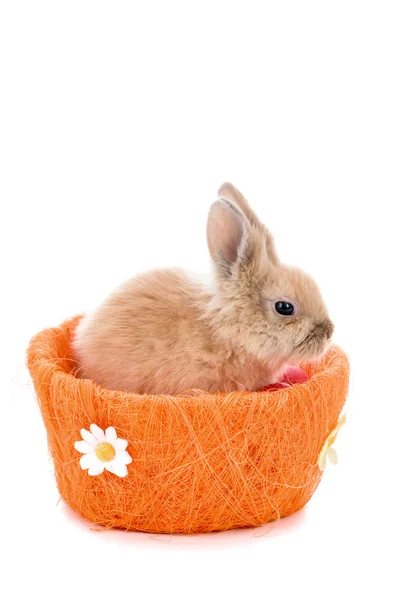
(284, 308)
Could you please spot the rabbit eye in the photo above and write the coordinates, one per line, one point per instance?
(284, 308)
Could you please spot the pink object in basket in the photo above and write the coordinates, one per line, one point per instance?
(291, 376)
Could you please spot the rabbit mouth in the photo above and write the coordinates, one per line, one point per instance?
(315, 342)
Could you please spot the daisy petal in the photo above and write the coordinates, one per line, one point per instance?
(111, 435)
(123, 458)
(120, 445)
(117, 468)
(322, 459)
(88, 437)
(334, 433)
(83, 447)
(87, 460)
(322, 462)
(96, 469)
(332, 454)
(97, 432)
(333, 436)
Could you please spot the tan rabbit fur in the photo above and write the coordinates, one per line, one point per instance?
(166, 332)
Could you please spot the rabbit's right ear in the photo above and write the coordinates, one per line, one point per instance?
(229, 192)
(226, 234)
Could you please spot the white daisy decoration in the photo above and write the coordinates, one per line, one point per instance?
(103, 450)
(327, 451)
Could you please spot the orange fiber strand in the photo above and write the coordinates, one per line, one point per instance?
(200, 462)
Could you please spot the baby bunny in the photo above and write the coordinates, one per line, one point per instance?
(166, 332)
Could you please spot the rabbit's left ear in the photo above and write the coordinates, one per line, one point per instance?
(229, 192)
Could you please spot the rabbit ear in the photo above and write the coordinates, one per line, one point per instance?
(226, 234)
(228, 191)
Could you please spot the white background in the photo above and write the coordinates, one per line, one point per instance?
(119, 120)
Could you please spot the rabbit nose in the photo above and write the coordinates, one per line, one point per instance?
(324, 329)
(328, 328)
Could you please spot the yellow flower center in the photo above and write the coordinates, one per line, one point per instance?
(105, 452)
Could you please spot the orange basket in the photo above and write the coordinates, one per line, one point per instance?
(200, 462)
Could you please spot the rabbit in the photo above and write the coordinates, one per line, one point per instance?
(167, 332)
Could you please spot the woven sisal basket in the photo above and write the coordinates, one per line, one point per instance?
(200, 462)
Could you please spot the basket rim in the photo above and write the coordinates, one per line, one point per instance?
(50, 364)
